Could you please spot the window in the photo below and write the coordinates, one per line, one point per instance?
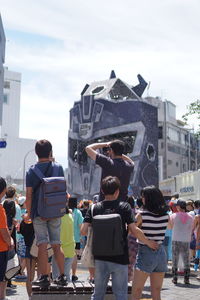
(169, 162)
(5, 98)
(98, 89)
(173, 135)
(183, 139)
(6, 85)
(177, 164)
(160, 132)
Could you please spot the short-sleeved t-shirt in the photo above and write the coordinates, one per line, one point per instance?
(33, 181)
(116, 167)
(3, 225)
(182, 223)
(127, 217)
(78, 220)
(67, 235)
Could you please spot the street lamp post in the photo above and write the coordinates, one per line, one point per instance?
(24, 166)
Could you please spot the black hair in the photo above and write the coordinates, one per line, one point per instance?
(154, 200)
(131, 201)
(10, 192)
(2, 184)
(197, 203)
(110, 185)
(139, 202)
(67, 210)
(117, 147)
(43, 148)
(72, 202)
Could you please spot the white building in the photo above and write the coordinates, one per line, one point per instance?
(2, 59)
(178, 147)
(19, 152)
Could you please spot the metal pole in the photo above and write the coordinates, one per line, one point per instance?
(24, 166)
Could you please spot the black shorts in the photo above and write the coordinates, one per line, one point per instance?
(3, 264)
(78, 246)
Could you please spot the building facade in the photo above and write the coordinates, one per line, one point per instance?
(2, 60)
(19, 152)
(178, 146)
(108, 110)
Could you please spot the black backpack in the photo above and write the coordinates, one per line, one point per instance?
(107, 235)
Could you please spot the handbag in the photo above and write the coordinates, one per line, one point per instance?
(34, 249)
(87, 258)
(13, 267)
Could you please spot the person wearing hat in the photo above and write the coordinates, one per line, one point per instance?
(182, 225)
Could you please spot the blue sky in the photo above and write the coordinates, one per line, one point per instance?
(59, 46)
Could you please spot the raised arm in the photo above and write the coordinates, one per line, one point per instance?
(127, 158)
(91, 149)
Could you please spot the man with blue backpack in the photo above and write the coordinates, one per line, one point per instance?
(46, 203)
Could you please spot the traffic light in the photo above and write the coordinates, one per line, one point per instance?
(3, 143)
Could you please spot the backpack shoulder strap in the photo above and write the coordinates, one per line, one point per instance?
(55, 170)
(37, 172)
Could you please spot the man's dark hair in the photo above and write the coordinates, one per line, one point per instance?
(10, 192)
(72, 202)
(43, 148)
(109, 185)
(117, 147)
(2, 184)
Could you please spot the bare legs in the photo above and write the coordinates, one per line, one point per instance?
(139, 279)
(3, 289)
(30, 267)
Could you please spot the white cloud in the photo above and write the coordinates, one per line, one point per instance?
(159, 39)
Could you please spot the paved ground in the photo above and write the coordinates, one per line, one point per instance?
(169, 292)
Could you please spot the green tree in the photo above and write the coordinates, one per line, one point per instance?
(193, 109)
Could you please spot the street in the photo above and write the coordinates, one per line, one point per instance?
(169, 291)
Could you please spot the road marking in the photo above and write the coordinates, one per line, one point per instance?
(19, 283)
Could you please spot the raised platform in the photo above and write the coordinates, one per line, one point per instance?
(73, 291)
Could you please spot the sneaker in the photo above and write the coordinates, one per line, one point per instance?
(43, 281)
(174, 280)
(61, 280)
(11, 286)
(74, 278)
(186, 281)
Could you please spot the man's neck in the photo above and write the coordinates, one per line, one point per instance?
(110, 198)
(40, 160)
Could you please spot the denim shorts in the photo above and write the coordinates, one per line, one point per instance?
(3, 264)
(47, 231)
(150, 261)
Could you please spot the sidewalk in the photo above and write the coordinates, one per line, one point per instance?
(169, 291)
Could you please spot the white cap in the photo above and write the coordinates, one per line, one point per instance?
(21, 200)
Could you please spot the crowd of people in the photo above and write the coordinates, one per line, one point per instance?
(151, 231)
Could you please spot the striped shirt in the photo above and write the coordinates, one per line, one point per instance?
(154, 226)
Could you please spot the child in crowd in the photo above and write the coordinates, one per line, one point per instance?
(132, 244)
(21, 247)
(6, 241)
(78, 220)
(67, 243)
(27, 231)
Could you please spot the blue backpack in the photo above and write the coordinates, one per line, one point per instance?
(52, 194)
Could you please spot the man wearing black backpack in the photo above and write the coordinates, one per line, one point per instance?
(114, 163)
(47, 230)
(116, 263)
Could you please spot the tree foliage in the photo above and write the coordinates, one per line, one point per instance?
(193, 109)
